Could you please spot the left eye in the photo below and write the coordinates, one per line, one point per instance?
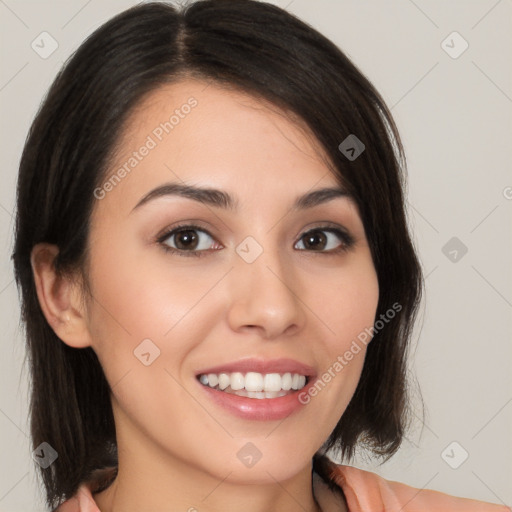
(322, 240)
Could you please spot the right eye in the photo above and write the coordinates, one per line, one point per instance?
(188, 241)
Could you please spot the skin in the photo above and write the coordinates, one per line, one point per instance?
(177, 449)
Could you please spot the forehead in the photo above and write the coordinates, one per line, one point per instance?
(199, 132)
(212, 115)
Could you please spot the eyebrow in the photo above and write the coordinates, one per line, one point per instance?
(221, 199)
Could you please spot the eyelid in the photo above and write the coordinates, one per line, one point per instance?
(323, 224)
(328, 226)
(187, 223)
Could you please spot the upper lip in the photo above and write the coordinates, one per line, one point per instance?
(282, 365)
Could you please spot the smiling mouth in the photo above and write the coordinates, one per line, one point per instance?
(253, 384)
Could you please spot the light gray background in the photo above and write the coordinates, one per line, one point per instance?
(455, 119)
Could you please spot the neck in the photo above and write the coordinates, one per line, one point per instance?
(149, 477)
(181, 487)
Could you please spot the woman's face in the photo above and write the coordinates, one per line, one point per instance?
(278, 279)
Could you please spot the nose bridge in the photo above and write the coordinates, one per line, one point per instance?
(264, 291)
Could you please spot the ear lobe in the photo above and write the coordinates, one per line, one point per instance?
(59, 298)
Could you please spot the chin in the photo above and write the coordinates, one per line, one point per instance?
(261, 468)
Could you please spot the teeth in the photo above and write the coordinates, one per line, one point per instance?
(286, 381)
(273, 382)
(254, 381)
(224, 381)
(237, 381)
(253, 384)
(295, 381)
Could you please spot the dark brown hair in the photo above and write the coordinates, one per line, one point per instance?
(257, 48)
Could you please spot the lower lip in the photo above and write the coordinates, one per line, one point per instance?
(262, 409)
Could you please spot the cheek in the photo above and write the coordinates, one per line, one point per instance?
(148, 316)
(347, 307)
(146, 319)
(139, 294)
(347, 302)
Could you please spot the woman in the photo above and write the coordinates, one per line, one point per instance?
(217, 279)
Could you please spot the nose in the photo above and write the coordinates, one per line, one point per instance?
(265, 298)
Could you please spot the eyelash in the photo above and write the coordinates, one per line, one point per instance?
(347, 241)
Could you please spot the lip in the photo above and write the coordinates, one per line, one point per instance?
(264, 409)
(282, 365)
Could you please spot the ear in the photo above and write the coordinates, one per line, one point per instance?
(59, 298)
